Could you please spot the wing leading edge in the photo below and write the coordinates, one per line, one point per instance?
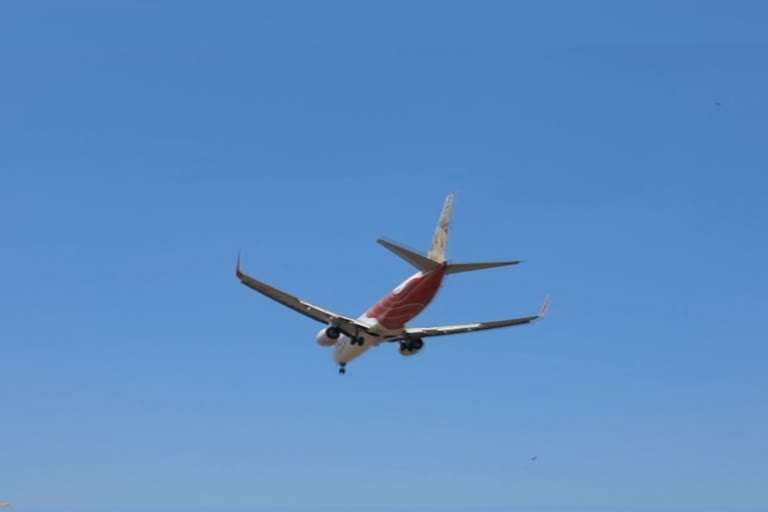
(326, 316)
(444, 330)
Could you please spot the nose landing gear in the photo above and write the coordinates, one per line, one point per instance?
(343, 368)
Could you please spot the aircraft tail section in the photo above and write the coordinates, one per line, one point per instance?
(437, 253)
(440, 241)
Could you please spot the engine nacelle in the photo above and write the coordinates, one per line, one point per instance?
(328, 336)
(411, 347)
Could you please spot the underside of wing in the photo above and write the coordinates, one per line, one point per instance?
(444, 330)
(326, 316)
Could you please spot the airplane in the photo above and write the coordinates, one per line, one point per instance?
(387, 320)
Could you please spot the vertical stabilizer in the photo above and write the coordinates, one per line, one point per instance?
(440, 241)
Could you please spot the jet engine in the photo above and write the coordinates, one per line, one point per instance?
(328, 336)
(411, 347)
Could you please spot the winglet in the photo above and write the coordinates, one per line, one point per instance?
(544, 308)
(238, 272)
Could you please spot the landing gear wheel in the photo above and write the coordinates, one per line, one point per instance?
(359, 341)
(343, 368)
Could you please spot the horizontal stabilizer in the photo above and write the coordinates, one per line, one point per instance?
(417, 260)
(455, 268)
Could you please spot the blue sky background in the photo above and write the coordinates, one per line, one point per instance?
(144, 143)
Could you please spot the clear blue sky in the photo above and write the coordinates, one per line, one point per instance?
(143, 143)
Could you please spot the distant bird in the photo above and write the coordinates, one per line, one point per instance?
(533, 458)
(717, 103)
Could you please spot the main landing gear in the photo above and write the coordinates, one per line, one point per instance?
(358, 340)
(343, 368)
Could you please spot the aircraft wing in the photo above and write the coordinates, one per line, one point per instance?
(444, 330)
(345, 324)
